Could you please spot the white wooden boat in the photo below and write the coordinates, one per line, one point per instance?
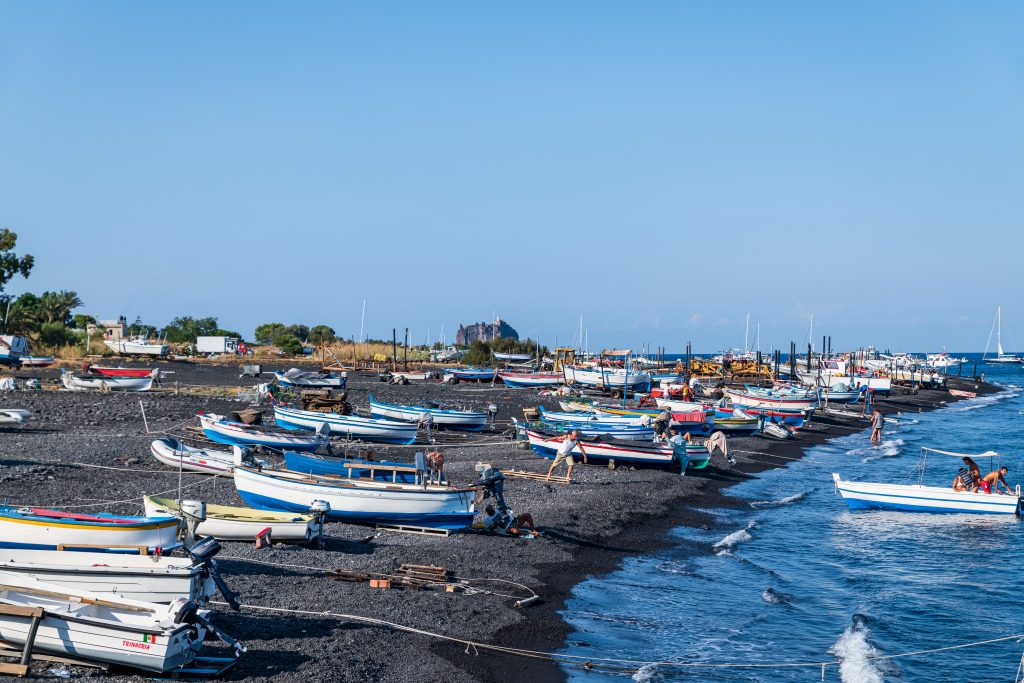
(467, 420)
(513, 357)
(608, 378)
(763, 400)
(102, 627)
(216, 428)
(364, 501)
(525, 380)
(136, 346)
(13, 416)
(350, 426)
(76, 383)
(229, 523)
(42, 529)
(180, 455)
(36, 361)
(921, 498)
(150, 578)
(311, 380)
(546, 444)
(411, 376)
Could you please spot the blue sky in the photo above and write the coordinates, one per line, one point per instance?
(660, 168)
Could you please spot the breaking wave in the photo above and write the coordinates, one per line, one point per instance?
(774, 597)
(726, 545)
(889, 448)
(788, 500)
(983, 401)
(646, 673)
(853, 650)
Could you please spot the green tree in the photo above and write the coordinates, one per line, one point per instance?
(185, 329)
(23, 316)
(322, 334)
(139, 328)
(267, 332)
(55, 307)
(227, 333)
(81, 321)
(300, 331)
(479, 353)
(11, 264)
(289, 343)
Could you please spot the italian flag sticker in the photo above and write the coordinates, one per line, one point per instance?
(149, 639)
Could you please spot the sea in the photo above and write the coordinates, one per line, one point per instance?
(794, 577)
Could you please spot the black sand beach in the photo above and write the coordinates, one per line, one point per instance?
(86, 449)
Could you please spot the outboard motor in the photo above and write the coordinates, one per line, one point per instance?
(193, 513)
(323, 432)
(492, 482)
(492, 413)
(203, 552)
(319, 510)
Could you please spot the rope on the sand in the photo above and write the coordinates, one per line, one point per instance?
(134, 499)
(625, 664)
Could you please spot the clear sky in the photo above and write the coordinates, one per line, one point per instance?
(659, 168)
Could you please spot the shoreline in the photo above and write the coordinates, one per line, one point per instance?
(592, 525)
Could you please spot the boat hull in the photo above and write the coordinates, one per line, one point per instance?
(41, 530)
(227, 523)
(205, 460)
(333, 382)
(547, 445)
(916, 498)
(465, 420)
(237, 434)
(75, 383)
(515, 380)
(349, 426)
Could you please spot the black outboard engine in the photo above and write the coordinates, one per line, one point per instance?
(492, 481)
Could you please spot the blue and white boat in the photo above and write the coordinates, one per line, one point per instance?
(311, 380)
(606, 419)
(920, 498)
(472, 374)
(513, 357)
(349, 426)
(352, 468)
(606, 378)
(220, 430)
(466, 420)
(42, 529)
(527, 380)
(362, 501)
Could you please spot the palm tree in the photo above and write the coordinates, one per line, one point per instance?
(56, 307)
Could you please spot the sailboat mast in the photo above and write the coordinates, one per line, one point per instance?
(746, 335)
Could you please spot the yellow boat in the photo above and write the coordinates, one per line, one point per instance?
(228, 523)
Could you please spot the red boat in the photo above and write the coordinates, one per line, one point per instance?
(118, 372)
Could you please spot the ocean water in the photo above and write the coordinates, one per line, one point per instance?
(796, 577)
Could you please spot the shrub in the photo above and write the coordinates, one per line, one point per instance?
(289, 344)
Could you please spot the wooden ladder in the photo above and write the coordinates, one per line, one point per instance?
(36, 615)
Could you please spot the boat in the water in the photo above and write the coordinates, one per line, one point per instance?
(1000, 357)
(78, 383)
(922, 498)
(311, 380)
(466, 420)
(230, 523)
(42, 529)
(216, 428)
(102, 627)
(150, 578)
(546, 444)
(363, 501)
(472, 374)
(36, 361)
(352, 468)
(349, 426)
(179, 455)
(528, 380)
(136, 346)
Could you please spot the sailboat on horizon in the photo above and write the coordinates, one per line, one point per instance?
(1000, 357)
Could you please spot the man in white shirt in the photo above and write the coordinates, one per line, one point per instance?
(571, 441)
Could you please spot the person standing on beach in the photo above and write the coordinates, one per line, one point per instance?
(877, 422)
(571, 441)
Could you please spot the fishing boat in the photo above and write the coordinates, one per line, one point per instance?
(42, 529)
(606, 378)
(600, 417)
(604, 431)
(102, 627)
(13, 416)
(793, 418)
(150, 578)
(1000, 357)
(546, 444)
(751, 399)
(136, 346)
(513, 357)
(960, 393)
(349, 426)
(472, 374)
(525, 380)
(180, 455)
(311, 380)
(358, 500)
(352, 468)
(448, 355)
(120, 372)
(76, 383)
(12, 348)
(229, 523)
(411, 376)
(841, 393)
(921, 498)
(465, 420)
(216, 428)
(36, 361)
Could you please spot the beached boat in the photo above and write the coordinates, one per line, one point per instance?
(229, 523)
(604, 431)
(136, 346)
(42, 529)
(177, 454)
(601, 417)
(513, 357)
(546, 444)
(751, 399)
(12, 348)
(349, 426)
(311, 380)
(606, 378)
(524, 380)
(102, 627)
(36, 361)
(13, 416)
(409, 376)
(150, 578)
(920, 498)
(352, 468)
(953, 392)
(220, 430)
(76, 383)
(358, 500)
(472, 374)
(841, 393)
(467, 420)
(120, 372)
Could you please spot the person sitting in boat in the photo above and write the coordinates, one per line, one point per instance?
(571, 441)
(967, 477)
(991, 481)
(661, 424)
(505, 522)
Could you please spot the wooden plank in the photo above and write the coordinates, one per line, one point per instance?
(20, 670)
(407, 529)
(19, 611)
